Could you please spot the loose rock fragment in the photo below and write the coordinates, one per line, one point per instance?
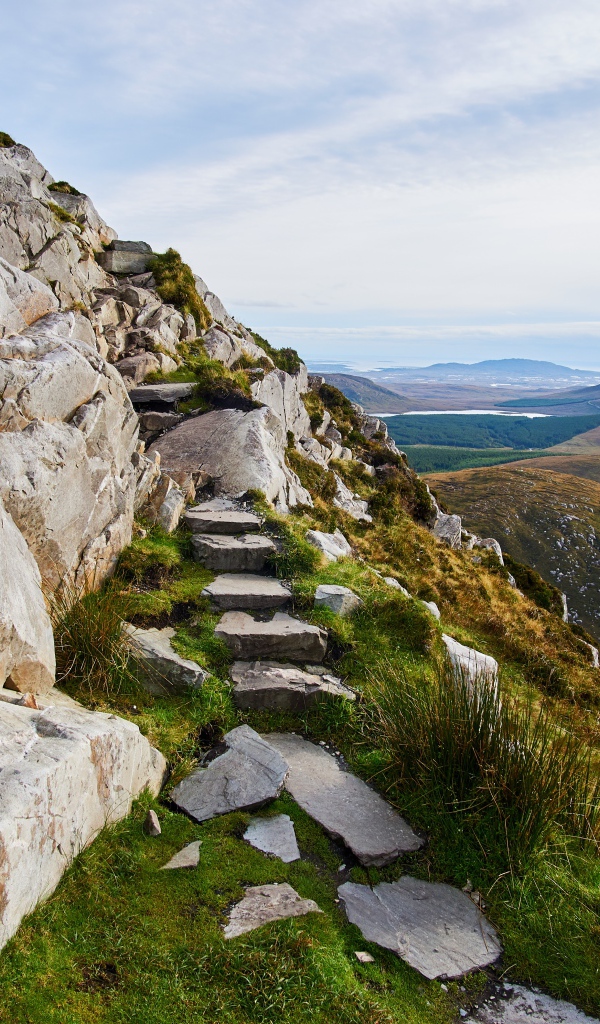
(274, 835)
(340, 600)
(265, 903)
(436, 929)
(152, 824)
(186, 858)
(364, 958)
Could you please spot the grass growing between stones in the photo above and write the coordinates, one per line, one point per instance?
(175, 283)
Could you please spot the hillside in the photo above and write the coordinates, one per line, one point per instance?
(488, 431)
(372, 397)
(548, 519)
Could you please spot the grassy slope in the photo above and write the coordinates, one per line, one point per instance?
(532, 512)
(426, 458)
(488, 431)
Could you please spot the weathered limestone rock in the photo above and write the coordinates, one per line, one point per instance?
(239, 450)
(519, 1005)
(265, 903)
(162, 669)
(433, 608)
(165, 504)
(136, 368)
(490, 544)
(267, 684)
(189, 857)
(228, 521)
(345, 806)
(23, 299)
(221, 553)
(332, 545)
(27, 660)
(274, 835)
(282, 637)
(448, 529)
(82, 208)
(470, 665)
(246, 591)
(283, 392)
(160, 394)
(247, 775)
(436, 929)
(65, 773)
(593, 654)
(147, 474)
(222, 346)
(350, 503)
(391, 582)
(153, 423)
(340, 600)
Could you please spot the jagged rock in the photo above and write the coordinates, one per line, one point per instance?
(147, 474)
(519, 1005)
(27, 661)
(436, 929)
(350, 503)
(23, 299)
(160, 394)
(267, 684)
(221, 553)
(189, 857)
(283, 392)
(433, 608)
(157, 329)
(470, 665)
(226, 521)
(136, 368)
(82, 208)
(366, 468)
(332, 545)
(239, 450)
(490, 545)
(340, 600)
(282, 637)
(65, 774)
(246, 591)
(162, 669)
(345, 806)
(265, 903)
(152, 824)
(448, 529)
(166, 504)
(274, 835)
(247, 775)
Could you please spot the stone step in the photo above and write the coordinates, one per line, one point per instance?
(245, 590)
(266, 684)
(224, 521)
(282, 637)
(247, 553)
(345, 806)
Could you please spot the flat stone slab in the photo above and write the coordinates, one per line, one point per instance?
(162, 670)
(226, 521)
(282, 637)
(340, 600)
(164, 394)
(435, 928)
(274, 835)
(247, 553)
(265, 903)
(267, 684)
(189, 857)
(246, 590)
(345, 806)
(247, 775)
(518, 1005)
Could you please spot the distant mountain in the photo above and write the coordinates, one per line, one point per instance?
(524, 372)
(569, 402)
(372, 397)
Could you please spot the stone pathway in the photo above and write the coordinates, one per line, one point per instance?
(282, 637)
(223, 553)
(260, 684)
(435, 928)
(246, 591)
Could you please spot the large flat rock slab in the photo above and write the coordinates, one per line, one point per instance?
(345, 806)
(274, 835)
(265, 903)
(267, 684)
(247, 553)
(246, 591)
(162, 670)
(247, 775)
(435, 928)
(161, 394)
(224, 521)
(282, 637)
(518, 1005)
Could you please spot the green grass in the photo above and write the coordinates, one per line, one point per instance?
(63, 215)
(175, 283)
(487, 431)
(284, 358)
(64, 187)
(6, 141)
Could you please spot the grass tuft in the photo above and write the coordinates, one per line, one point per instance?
(175, 283)
(6, 141)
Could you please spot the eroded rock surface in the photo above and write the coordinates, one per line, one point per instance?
(332, 545)
(267, 684)
(246, 591)
(282, 637)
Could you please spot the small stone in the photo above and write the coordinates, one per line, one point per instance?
(274, 835)
(443, 987)
(363, 958)
(152, 824)
(186, 858)
(342, 867)
(340, 600)
(265, 903)
(433, 608)
(28, 701)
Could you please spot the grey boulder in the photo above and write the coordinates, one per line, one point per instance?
(340, 600)
(246, 591)
(275, 836)
(249, 773)
(332, 545)
(469, 664)
(345, 806)
(265, 903)
(266, 684)
(282, 637)
(448, 529)
(162, 670)
(436, 929)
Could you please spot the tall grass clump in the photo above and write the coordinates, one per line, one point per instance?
(175, 283)
(506, 770)
(91, 648)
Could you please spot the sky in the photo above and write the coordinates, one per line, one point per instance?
(392, 182)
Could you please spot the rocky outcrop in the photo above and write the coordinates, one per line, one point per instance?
(239, 450)
(470, 665)
(283, 392)
(332, 545)
(65, 774)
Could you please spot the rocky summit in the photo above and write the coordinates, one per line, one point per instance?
(263, 700)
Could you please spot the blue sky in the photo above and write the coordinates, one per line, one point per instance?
(383, 181)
